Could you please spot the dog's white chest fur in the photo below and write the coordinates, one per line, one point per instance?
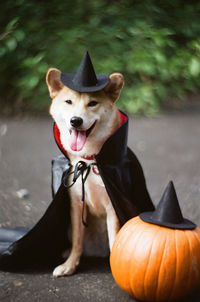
(98, 203)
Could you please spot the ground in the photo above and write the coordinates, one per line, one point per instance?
(168, 148)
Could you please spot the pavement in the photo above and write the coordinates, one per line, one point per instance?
(168, 147)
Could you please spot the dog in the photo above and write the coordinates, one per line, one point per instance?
(85, 121)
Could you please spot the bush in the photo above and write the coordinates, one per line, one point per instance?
(155, 44)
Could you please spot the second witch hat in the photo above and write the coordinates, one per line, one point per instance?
(168, 212)
(85, 79)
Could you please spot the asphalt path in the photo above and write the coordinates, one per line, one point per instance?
(168, 147)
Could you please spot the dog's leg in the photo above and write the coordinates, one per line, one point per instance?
(70, 265)
(112, 225)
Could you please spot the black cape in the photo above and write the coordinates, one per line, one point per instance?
(43, 244)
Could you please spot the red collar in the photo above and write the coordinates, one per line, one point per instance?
(91, 157)
(56, 131)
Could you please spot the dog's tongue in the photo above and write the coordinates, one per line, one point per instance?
(77, 140)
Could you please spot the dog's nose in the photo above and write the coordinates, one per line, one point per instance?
(76, 121)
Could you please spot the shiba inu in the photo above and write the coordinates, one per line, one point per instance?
(85, 121)
(97, 181)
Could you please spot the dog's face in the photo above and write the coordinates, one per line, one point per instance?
(85, 120)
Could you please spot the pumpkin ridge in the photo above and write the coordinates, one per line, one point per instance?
(134, 239)
(176, 232)
(131, 270)
(193, 253)
(197, 236)
(161, 260)
(161, 263)
(190, 257)
(148, 263)
(146, 271)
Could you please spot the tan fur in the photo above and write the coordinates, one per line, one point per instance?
(100, 212)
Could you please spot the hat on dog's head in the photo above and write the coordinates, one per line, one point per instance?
(85, 80)
(168, 212)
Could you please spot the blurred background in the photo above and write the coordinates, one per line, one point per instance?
(155, 44)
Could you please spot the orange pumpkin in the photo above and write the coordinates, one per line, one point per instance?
(156, 263)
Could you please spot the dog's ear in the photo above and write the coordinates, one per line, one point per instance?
(53, 81)
(114, 86)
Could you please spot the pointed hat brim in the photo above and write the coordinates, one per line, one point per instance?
(184, 225)
(67, 80)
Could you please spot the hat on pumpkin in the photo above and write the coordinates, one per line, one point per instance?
(168, 212)
(85, 80)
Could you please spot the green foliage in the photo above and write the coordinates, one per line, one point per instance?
(155, 44)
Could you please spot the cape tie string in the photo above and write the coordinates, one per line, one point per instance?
(79, 170)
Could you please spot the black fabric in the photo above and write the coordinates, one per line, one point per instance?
(8, 236)
(44, 243)
(85, 80)
(125, 184)
(168, 212)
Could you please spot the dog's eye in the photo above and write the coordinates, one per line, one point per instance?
(92, 103)
(68, 102)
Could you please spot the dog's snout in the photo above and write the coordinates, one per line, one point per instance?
(76, 121)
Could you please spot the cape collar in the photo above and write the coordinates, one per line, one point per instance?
(114, 148)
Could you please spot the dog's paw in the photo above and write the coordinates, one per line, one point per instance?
(64, 270)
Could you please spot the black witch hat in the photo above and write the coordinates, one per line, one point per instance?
(168, 212)
(85, 80)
